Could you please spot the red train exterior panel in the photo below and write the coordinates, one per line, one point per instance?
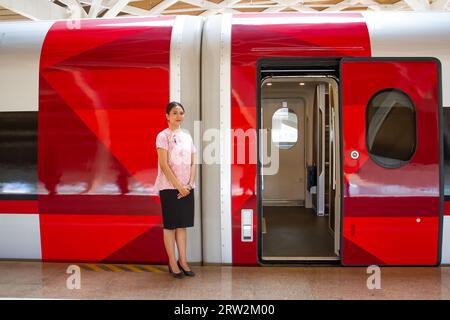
(253, 38)
(100, 88)
(19, 206)
(391, 215)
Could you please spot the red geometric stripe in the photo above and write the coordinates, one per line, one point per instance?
(146, 248)
(18, 206)
(70, 154)
(93, 238)
(390, 206)
(363, 257)
(394, 241)
(106, 31)
(136, 205)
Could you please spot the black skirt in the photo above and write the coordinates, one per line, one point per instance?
(177, 213)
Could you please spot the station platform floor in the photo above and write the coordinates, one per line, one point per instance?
(37, 280)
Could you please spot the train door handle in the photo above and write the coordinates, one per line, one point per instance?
(354, 154)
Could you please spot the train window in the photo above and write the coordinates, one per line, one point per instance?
(391, 128)
(18, 155)
(284, 128)
(447, 150)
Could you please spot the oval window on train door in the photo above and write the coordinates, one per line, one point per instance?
(284, 128)
(391, 128)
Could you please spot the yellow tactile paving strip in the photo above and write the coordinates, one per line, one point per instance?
(97, 267)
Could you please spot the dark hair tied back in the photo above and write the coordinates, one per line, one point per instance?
(173, 104)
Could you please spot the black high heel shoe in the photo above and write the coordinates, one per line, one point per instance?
(189, 273)
(178, 275)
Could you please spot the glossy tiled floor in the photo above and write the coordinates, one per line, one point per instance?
(48, 280)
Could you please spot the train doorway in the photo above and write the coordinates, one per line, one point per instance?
(299, 203)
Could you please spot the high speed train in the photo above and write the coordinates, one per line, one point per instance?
(322, 138)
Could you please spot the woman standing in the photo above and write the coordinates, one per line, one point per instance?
(175, 183)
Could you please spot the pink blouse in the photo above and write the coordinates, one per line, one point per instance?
(179, 146)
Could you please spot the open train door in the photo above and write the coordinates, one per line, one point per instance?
(392, 191)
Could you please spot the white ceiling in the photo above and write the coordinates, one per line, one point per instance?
(70, 9)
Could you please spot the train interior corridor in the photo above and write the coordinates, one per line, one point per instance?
(300, 195)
